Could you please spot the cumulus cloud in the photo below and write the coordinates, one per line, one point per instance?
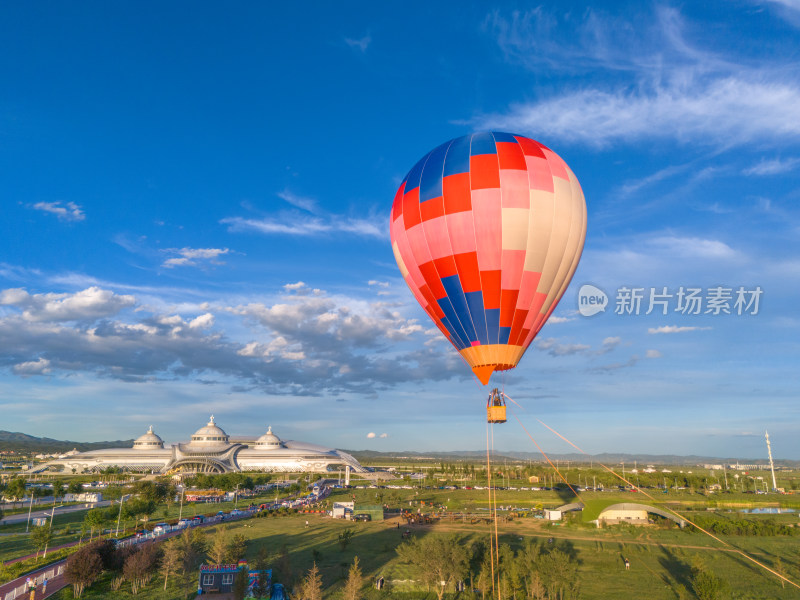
(675, 329)
(303, 344)
(34, 367)
(91, 303)
(384, 435)
(653, 354)
(371, 434)
(68, 212)
(192, 257)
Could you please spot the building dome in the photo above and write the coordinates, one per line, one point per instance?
(148, 441)
(269, 440)
(210, 434)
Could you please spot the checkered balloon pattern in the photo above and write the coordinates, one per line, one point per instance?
(487, 230)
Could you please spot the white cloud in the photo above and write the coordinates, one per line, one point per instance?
(554, 348)
(307, 204)
(383, 284)
(91, 303)
(774, 166)
(69, 212)
(384, 435)
(691, 247)
(371, 434)
(360, 44)
(202, 322)
(710, 113)
(653, 354)
(668, 87)
(191, 257)
(554, 319)
(308, 226)
(37, 367)
(675, 329)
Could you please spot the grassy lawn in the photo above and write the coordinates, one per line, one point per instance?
(660, 559)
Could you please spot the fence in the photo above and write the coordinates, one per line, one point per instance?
(21, 590)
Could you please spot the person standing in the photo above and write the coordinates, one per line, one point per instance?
(44, 587)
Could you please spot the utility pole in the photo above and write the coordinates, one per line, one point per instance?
(180, 513)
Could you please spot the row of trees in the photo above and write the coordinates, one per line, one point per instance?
(739, 526)
(179, 557)
(532, 571)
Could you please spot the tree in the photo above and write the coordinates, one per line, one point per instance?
(82, 569)
(355, 580)
(192, 547)
(345, 537)
(95, 519)
(75, 487)
(15, 489)
(41, 537)
(559, 574)
(139, 566)
(240, 584)
(58, 489)
(139, 509)
(311, 588)
(218, 553)
(707, 586)
(436, 559)
(171, 559)
(236, 548)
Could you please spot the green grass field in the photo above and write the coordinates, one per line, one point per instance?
(660, 558)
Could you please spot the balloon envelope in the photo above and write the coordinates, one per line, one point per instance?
(487, 230)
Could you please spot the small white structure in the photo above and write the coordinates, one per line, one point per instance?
(341, 510)
(84, 497)
(552, 514)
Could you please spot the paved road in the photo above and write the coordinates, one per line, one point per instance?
(22, 517)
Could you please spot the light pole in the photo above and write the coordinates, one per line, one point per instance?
(180, 513)
(30, 508)
(236, 496)
(119, 514)
(52, 512)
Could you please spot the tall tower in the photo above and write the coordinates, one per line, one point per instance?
(771, 466)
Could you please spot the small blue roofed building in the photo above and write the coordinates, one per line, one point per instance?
(219, 579)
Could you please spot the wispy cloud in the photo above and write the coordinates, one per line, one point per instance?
(675, 329)
(193, 257)
(303, 225)
(302, 202)
(653, 354)
(554, 348)
(666, 88)
(360, 44)
(774, 166)
(68, 212)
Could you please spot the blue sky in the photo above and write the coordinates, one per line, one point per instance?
(196, 202)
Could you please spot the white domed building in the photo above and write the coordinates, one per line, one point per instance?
(210, 450)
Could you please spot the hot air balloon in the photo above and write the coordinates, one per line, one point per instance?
(487, 230)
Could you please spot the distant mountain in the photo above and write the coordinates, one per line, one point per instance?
(14, 440)
(607, 458)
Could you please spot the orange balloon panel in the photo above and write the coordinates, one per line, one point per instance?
(487, 230)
